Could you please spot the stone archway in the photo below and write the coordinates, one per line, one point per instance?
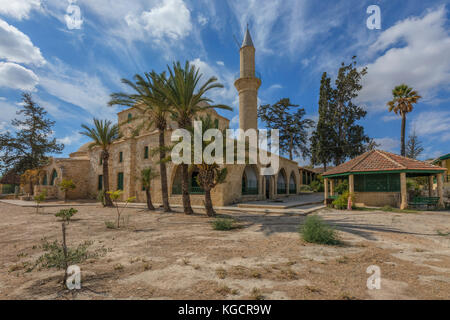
(53, 177)
(250, 184)
(292, 184)
(282, 182)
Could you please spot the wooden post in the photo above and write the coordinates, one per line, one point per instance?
(440, 189)
(430, 186)
(332, 187)
(351, 183)
(403, 191)
(325, 183)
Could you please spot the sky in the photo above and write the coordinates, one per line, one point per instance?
(72, 54)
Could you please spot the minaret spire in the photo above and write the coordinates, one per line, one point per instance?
(247, 85)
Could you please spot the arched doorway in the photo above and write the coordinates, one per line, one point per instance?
(268, 186)
(281, 182)
(250, 181)
(292, 184)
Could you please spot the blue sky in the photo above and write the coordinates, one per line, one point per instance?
(72, 55)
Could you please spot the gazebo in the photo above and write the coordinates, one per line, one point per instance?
(378, 178)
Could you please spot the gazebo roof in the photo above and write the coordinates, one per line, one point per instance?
(378, 161)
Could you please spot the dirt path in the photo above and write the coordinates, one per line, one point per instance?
(173, 256)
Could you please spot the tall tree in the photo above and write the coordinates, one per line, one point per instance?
(349, 137)
(155, 109)
(187, 97)
(414, 146)
(29, 146)
(402, 104)
(321, 138)
(103, 135)
(288, 118)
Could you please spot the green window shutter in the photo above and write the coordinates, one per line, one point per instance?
(120, 156)
(120, 181)
(130, 117)
(45, 180)
(100, 182)
(146, 153)
(101, 160)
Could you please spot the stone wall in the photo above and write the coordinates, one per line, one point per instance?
(378, 199)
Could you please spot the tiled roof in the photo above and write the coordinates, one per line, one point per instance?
(378, 160)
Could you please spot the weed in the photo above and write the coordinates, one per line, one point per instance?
(222, 224)
(315, 230)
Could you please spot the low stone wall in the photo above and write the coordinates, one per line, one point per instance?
(378, 199)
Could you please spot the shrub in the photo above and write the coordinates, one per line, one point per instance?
(317, 186)
(66, 185)
(40, 198)
(342, 187)
(101, 197)
(341, 202)
(222, 224)
(305, 188)
(315, 230)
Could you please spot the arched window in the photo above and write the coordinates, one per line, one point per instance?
(281, 183)
(44, 181)
(53, 178)
(292, 184)
(194, 187)
(130, 117)
(249, 181)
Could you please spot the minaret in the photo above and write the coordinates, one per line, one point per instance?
(247, 86)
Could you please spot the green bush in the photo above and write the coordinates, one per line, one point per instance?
(222, 224)
(341, 202)
(305, 188)
(315, 230)
(317, 186)
(342, 187)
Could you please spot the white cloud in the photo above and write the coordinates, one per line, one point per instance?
(7, 113)
(275, 86)
(15, 76)
(73, 138)
(423, 62)
(171, 19)
(433, 124)
(84, 90)
(202, 20)
(19, 9)
(388, 144)
(220, 63)
(15, 46)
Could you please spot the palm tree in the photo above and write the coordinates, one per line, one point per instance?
(404, 98)
(154, 107)
(187, 98)
(209, 174)
(103, 135)
(147, 175)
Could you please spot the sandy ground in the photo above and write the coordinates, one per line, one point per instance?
(173, 256)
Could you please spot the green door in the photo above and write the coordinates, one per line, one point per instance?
(120, 181)
(100, 182)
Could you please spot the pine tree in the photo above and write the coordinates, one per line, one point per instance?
(413, 146)
(321, 142)
(29, 146)
(293, 127)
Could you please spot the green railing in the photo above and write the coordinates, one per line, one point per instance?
(192, 190)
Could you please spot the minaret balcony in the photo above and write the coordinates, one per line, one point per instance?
(257, 75)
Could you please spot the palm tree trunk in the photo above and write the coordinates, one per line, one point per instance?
(149, 199)
(108, 202)
(208, 204)
(403, 149)
(163, 172)
(185, 189)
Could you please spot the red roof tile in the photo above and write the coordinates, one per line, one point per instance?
(378, 160)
